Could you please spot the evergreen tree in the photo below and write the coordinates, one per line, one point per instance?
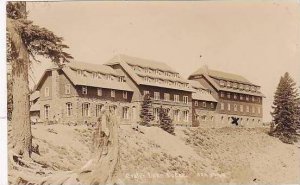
(286, 110)
(146, 113)
(165, 122)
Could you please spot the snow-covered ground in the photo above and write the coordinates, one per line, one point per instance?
(193, 155)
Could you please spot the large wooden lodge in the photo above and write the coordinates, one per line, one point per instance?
(76, 92)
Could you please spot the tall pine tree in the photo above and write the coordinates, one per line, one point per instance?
(146, 113)
(286, 110)
(165, 122)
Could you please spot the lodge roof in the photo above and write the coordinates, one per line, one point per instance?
(210, 75)
(221, 75)
(70, 70)
(201, 92)
(128, 63)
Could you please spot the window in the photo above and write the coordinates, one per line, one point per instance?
(228, 106)
(247, 97)
(176, 115)
(228, 84)
(47, 92)
(156, 114)
(98, 109)
(156, 95)
(222, 106)
(156, 80)
(228, 95)
(69, 109)
(212, 105)
(121, 79)
(125, 94)
(241, 97)
(186, 115)
(166, 96)
(85, 109)
(241, 108)
(241, 86)
(185, 99)
(94, 75)
(235, 107)
(47, 111)
(99, 92)
(235, 96)
(146, 92)
(203, 104)
(234, 85)
(196, 103)
(125, 114)
(67, 89)
(222, 83)
(176, 98)
(222, 94)
(113, 93)
(84, 90)
(247, 108)
(253, 98)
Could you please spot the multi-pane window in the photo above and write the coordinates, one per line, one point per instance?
(67, 89)
(228, 95)
(196, 103)
(125, 94)
(235, 96)
(203, 104)
(241, 108)
(185, 99)
(156, 95)
(156, 114)
(113, 93)
(176, 98)
(235, 107)
(228, 106)
(247, 97)
(85, 109)
(121, 79)
(146, 92)
(99, 92)
(98, 109)
(212, 105)
(176, 115)
(125, 114)
(47, 111)
(84, 90)
(47, 92)
(69, 109)
(166, 96)
(222, 106)
(247, 108)
(186, 115)
(222, 94)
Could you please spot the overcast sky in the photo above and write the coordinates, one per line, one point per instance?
(259, 40)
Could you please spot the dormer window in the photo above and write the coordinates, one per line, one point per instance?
(146, 70)
(222, 83)
(156, 80)
(228, 84)
(84, 90)
(94, 75)
(121, 79)
(247, 87)
(80, 72)
(241, 86)
(234, 85)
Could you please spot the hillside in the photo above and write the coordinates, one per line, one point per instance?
(236, 155)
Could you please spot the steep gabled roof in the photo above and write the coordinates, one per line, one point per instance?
(210, 75)
(200, 92)
(221, 75)
(127, 62)
(69, 70)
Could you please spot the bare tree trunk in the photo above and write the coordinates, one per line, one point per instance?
(21, 128)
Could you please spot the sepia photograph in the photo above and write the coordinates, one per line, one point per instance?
(150, 92)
